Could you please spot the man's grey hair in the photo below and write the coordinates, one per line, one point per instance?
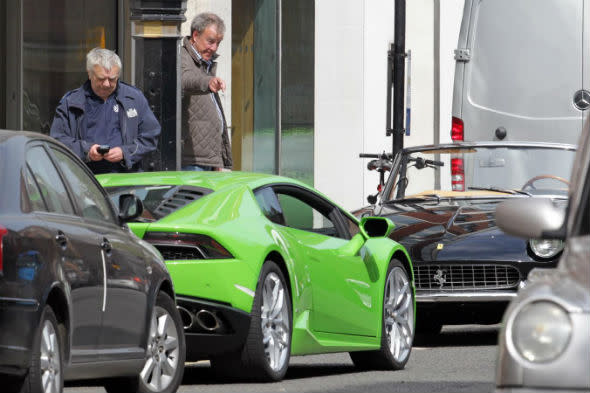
(105, 58)
(204, 19)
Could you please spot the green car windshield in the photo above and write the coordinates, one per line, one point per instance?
(158, 200)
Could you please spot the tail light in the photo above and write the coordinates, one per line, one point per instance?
(457, 174)
(175, 246)
(457, 129)
(3, 232)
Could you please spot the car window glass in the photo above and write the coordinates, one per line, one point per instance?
(352, 226)
(89, 196)
(31, 196)
(269, 204)
(298, 214)
(49, 183)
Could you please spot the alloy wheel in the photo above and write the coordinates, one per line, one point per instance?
(398, 314)
(275, 322)
(50, 359)
(162, 352)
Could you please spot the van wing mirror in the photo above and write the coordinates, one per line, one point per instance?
(130, 207)
(532, 218)
(376, 226)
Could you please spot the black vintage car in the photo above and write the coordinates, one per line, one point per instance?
(442, 199)
(80, 295)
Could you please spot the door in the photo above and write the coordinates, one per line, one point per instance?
(78, 247)
(124, 278)
(523, 70)
(343, 293)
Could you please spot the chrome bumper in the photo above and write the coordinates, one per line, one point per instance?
(454, 297)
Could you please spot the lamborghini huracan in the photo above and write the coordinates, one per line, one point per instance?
(266, 267)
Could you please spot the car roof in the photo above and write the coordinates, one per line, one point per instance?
(212, 180)
(8, 134)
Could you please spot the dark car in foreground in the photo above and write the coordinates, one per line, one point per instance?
(80, 295)
(442, 200)
(544, 343)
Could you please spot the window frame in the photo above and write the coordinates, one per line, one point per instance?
(315, 201)
(49, 146)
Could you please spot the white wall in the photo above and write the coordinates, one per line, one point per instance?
(352, 39)
(223, 9)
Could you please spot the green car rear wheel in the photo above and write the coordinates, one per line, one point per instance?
(266, 353)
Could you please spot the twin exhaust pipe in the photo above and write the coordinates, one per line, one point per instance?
(205, 319)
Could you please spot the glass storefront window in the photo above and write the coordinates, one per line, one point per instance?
(254, 86)
(297, 89)
(57, 35)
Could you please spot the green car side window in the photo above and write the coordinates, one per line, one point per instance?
(300, 215)
(270, 205)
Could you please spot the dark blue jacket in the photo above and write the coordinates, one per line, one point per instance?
(139, 127)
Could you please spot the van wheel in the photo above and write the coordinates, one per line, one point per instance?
(265, 355)
(397, 325)
(46, 372)
(165, 355)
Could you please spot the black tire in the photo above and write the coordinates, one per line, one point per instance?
(252, 362)
(397, 323)
(48, 343)
(167, 349)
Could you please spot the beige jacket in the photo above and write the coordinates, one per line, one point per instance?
(205, 140)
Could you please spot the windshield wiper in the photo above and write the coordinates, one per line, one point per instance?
(422, 198)
(499, 189)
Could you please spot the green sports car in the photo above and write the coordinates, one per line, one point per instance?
(265, 267)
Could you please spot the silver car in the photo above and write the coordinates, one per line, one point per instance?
(544, 342)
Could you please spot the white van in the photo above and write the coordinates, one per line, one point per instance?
(522, 71)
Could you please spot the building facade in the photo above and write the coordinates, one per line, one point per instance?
(306, 78)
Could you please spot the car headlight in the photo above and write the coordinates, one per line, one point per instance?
(546, 248)
(541, 331)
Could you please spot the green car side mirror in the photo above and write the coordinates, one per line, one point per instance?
(369, 227)
(376, 226)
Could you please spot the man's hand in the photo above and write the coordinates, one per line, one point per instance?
(113, 155)
(216, 84)
(93, 154)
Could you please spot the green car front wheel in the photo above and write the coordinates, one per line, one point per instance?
(397, 325)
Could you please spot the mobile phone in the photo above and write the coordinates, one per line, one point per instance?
(103, 149)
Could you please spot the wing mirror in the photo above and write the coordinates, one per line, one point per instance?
(532, 218)
(130, 207)
(376, 226)
(369, 227)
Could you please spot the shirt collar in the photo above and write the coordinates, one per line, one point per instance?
(88, 92)
(208, 62)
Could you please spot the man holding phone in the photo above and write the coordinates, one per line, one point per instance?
(107, 123)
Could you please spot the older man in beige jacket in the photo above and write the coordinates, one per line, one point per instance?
(205, 140)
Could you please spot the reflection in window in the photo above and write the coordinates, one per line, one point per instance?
(57, 35)
(51, 187)
(297, 89)
(88, 195)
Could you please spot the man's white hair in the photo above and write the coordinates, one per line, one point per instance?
(105, 58)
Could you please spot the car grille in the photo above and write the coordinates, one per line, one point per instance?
(171, 253)
(465, 277)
